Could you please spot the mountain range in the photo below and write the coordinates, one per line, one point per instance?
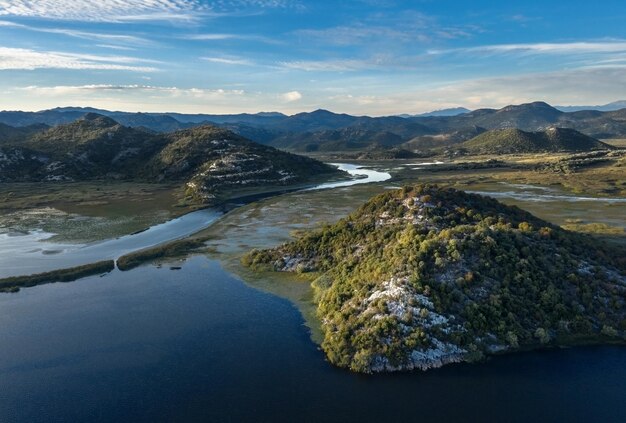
(322, 130)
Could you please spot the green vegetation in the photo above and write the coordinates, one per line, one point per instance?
(14, 283)
(516, 141)
(209, 162)
(169, 250)
(425, 276)
(594, 228)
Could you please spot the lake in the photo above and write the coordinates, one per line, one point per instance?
(197, 344)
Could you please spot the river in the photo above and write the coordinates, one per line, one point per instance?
(28, 253)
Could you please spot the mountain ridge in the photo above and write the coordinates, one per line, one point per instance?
(297, 131)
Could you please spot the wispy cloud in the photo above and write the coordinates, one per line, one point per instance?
(405, 27)
(346, 65)
(135, 10)
(27, 59)
(543, 48)
(95, 88)
(230, 36)
(134, 97)
(103, 37)
(101, 10)
(115, 47)
(212, 37)
(236, 61)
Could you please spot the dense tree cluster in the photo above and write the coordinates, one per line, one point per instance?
(450, 276)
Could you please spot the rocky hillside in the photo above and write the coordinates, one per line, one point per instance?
(209, 161)
(510, 141)
(215, 160)
(421, 277)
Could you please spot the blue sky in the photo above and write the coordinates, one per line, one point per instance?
(375, 57)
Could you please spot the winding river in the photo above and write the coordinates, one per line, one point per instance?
(22, 254)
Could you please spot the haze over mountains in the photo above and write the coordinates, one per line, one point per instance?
(322, 130)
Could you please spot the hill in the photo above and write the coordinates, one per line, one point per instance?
(512, 141)
(214, 161)
(209, 161)
(423, 276)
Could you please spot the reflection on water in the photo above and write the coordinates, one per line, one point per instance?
(362, 175)
(154, 345)
(20, 255)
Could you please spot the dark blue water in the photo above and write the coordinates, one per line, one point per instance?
(156, 345)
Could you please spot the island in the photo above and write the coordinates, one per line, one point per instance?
(425, 276)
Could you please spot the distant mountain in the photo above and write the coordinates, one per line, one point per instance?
(610, 107)
(509, 141)
(210, 161)
(322, 130)
(426, 142)
(441, 112)
(337, 140)
(160, 122)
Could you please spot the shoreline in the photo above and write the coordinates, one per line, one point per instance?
(186, 243)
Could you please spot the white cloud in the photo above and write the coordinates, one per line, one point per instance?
(291, 96)
(26, 59)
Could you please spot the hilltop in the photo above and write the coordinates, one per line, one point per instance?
(209, 161)
(422, 277)
(508, 141)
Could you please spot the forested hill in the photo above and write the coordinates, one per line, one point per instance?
(507, 141)
(423, 276)
(209, 161)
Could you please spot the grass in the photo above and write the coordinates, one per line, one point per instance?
(14, 283)
(169, 250)
(595, 228)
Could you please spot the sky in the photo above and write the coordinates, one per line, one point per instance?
(364, 57)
